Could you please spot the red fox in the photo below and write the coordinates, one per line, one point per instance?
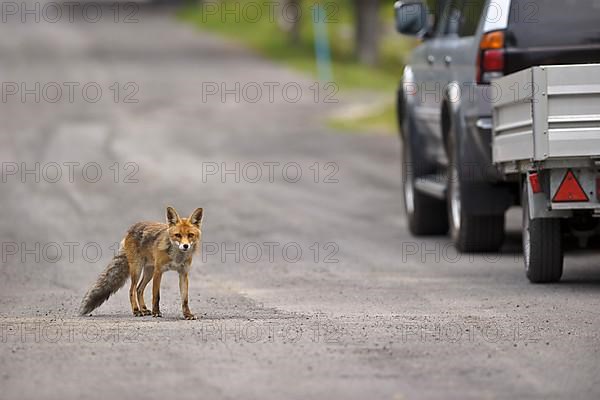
(149, 249)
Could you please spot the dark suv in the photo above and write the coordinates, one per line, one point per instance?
(446, 95)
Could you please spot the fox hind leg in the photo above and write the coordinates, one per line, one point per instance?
(134, 271)
(146, 278)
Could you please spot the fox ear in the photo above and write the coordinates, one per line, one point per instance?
(172, 216)
(196, 217)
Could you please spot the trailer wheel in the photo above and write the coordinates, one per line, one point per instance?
(426, 215)
(542, 246)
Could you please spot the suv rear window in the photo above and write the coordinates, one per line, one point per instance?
(541, 23)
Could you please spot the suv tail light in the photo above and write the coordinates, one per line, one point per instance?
(490, 60)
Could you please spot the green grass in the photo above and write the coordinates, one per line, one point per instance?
(381, 119)
(266, 38)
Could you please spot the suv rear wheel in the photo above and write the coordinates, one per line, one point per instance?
(470, 233)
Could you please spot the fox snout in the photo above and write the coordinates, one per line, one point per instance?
(184, 246)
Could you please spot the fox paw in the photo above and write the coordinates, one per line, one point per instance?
(189, 316)
(156, 314)
(146, 312)
(138, 313)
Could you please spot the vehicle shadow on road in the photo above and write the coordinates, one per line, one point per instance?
(512, 243)
(580, 275)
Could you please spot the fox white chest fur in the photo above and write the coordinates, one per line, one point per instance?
(180, 261)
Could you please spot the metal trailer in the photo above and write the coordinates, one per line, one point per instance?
(546, 135)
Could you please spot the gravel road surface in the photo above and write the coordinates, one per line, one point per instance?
(309, 286)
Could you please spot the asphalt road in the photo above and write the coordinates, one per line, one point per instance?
(309, 286)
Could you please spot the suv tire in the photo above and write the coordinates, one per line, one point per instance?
(470, 233)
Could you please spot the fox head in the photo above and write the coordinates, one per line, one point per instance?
(185, 233)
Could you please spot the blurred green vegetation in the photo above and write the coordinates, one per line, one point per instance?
(380, 119)
(267, 37)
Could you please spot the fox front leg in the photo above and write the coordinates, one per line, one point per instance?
(183, 288)
(156, 277)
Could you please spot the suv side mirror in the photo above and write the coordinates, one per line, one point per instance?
(411, 18)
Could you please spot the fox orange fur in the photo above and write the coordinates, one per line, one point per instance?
(147, 251)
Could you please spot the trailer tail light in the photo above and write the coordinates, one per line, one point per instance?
(490, 59)
(570, 190)
(534, 182)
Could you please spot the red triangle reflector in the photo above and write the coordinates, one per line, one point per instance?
(569, 190)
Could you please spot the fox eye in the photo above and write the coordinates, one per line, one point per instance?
(177, 236)
(191, 236)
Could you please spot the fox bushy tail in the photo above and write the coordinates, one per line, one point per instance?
(109, 281)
